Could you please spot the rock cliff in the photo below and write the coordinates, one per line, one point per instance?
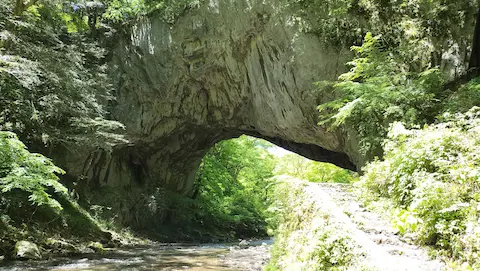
(223, 69)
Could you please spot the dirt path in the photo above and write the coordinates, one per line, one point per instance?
(386, 249)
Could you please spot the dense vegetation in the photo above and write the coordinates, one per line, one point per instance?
(428, 178)
(235, 190)
(54, 82)
(411, 70)
(409, 99)
(231, 195)
(302, 168)
(49, 210)
(309, 235)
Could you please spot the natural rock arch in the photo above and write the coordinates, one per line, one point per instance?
(223, 69)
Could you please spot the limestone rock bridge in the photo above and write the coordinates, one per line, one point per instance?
(223, 69)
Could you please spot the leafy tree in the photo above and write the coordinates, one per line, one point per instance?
(54, 84)
(428, 33)
(378, 90)
(124, 10)
(302, 168)
(33, 203)
(233, 186)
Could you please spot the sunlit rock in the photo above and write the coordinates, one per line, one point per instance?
(223, 69)
(25, 250)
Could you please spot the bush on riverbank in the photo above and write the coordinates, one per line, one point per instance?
(34, 205)
(430, 176)
(308, 237)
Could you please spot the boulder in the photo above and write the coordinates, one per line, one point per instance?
(97, 247)
(243, 244)
(26, 250)
(60, 246)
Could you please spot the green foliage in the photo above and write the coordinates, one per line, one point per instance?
(29, 172)
(124, 10)
(54, 83)
(436, 26)
(378, 90)
(308, 238)
(464, 98)
(421, 30)
(230, 196)
(332, 21)
(302, 168)
(431, 177)
(233, 186)
(33, 203)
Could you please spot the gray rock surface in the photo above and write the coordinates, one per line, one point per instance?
(26, 250)
(244, 243)
(225, 68)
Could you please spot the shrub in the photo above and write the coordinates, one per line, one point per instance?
(29, 172)
(431, 176)
(308, 237)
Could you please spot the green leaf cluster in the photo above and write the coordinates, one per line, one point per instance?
(432, 30)
(233, 183)
(29, 172)
(302, 168)
(53, 82)
(125, 10)
(430, 176)
(378, 90)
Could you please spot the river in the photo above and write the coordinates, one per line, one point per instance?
(194, 257)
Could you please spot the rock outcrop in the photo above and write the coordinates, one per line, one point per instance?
(224, 69)
(25, 250)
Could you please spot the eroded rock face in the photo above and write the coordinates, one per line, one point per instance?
(223, 69)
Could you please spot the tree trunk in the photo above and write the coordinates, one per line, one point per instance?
(474, 63)
(19, 7)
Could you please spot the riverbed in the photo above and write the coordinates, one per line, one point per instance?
(194, 257)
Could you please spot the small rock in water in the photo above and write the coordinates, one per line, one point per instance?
(2, 258)
(96, 246)
(25, 250)
(244, 243)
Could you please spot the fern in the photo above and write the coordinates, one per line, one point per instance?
(377, 91)
(29, 172)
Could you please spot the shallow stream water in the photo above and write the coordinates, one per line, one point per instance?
(198, 257)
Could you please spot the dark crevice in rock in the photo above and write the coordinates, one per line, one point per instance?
(312, 152)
